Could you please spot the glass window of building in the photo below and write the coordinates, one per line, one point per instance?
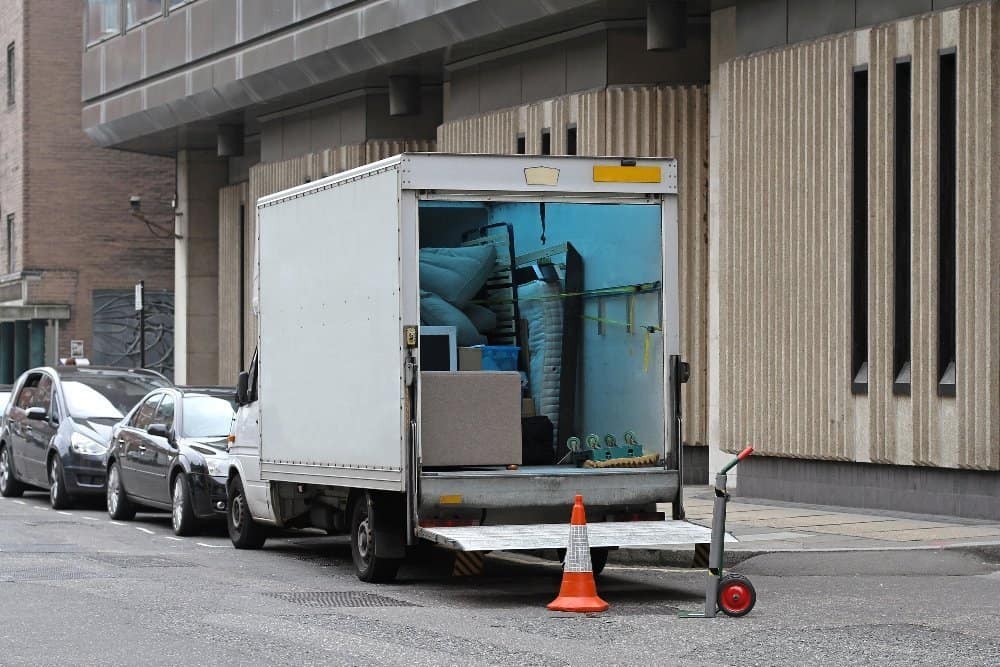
(138, 11)
(103, 19)
(176, 3)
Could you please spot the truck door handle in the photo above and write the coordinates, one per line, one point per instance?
(142, 448)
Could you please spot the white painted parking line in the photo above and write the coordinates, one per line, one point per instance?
(175, 539)
(212, 546)
(145, 530)
(115, 523)
(20, 502)
(90, 518)
(65, 513)
(37, 507)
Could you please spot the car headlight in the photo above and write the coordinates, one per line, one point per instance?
(218, 466)
(81, 444)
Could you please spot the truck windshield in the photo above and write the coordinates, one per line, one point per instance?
(105, 397)
(207, 417)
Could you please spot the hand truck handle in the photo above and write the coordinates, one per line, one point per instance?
(747, 451)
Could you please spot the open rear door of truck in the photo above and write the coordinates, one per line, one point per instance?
(331, 349)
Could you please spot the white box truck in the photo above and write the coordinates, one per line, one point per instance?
(556, 280)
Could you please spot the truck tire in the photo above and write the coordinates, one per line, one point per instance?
(370, 568)
(244, 532)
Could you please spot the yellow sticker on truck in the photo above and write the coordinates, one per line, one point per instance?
(613, 173)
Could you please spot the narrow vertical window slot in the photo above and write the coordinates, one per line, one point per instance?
(859, 240)
(571, 140)
(521, 148)
(10, 243)
(947, 183)
(901, 229)
(546, 142)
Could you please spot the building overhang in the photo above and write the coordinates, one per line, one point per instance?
(40, 312)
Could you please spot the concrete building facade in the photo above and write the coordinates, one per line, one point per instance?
(839, 289)
(69, 251)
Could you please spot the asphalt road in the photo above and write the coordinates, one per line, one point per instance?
(78, 589)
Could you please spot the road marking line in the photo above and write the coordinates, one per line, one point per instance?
(41, 508)
(90, 518)
(145, 530)
(20, 502)
(65, 513)
(212, 546)
(175, 539)
(115, 523)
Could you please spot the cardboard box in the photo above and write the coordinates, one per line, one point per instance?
(470, 418)
(527, 407)
(470, 358)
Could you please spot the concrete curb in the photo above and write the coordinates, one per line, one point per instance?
(683, 557)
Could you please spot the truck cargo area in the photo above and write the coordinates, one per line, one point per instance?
(541, 354)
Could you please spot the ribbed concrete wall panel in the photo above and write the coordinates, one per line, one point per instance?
(784, 255)
(978, 241)
(642, 121)
(231, 199)
(785, 251)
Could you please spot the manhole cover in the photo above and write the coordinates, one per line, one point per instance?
(340, 599)
(123, 560)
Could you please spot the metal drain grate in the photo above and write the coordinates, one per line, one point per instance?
(340, 599)
(123, 560)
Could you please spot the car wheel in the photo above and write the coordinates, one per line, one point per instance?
(182, 514)
(243, 530)
(120, 507)
(10, 486)
(369, 567)
(59, 496)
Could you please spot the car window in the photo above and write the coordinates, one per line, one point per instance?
(25, 397)
(165, 412)
(207, 417)
(119, 393)
(42, 396)
(143, 417)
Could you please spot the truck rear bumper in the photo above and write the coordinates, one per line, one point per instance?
(545, 487)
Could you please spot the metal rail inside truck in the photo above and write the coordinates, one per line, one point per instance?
(450, 347)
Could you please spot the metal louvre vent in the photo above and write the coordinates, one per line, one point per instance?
(340, 599)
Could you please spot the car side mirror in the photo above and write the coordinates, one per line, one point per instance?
(160, 431)
(243, 388)
(37, 414)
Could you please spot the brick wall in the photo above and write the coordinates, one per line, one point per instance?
(77, 227)
(11, 119)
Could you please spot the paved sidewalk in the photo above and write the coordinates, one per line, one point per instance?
(766, 526)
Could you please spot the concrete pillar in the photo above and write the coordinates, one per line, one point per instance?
(22, 346)
(200, 175)
(723, 44)
(7, 353)
(37, 343)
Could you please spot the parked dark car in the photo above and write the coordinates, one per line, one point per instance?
(171, 452)
(58, 424)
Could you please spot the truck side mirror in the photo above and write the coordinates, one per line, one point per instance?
(243, 388)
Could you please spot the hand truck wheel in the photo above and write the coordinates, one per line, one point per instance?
(737, 595)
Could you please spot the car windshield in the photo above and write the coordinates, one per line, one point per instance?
(207, 417)
(106, 397)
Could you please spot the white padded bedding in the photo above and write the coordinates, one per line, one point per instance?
(545, 336)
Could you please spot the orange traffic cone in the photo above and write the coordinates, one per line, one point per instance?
(578, 591)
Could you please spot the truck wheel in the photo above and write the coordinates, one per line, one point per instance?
(10, 487)
(369, 568)
(737, 595)
(243, 531)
